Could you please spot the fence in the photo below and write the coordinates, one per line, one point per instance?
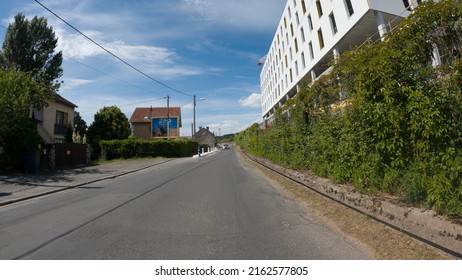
(60, 155)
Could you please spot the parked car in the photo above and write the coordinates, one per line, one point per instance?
(225, 147)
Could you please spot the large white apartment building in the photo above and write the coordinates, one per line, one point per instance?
(313, 32)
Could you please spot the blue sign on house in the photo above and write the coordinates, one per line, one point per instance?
(159, 126)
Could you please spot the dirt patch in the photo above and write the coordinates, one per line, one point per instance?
(383, 242)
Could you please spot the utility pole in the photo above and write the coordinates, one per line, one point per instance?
(150, 126)
(194, 118)
(168, 117)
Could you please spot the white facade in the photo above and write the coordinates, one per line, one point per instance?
(313, 32)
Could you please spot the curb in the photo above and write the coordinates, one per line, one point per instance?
(79, 184)
(425, 225)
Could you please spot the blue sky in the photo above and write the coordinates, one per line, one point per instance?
(209, 48)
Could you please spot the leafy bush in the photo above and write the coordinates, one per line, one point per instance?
(18, 94)
(130, 148)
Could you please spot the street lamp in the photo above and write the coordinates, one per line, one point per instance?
(194, 113)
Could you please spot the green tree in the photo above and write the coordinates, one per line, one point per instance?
(109, 124)
(29, 46)
(80, 125)
(19, 93)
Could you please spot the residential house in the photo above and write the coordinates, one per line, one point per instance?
(152, 122)
(53, 121)
(205, 137)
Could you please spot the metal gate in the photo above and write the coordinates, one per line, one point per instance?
(70, 154)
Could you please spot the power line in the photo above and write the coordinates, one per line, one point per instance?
(109, 75)
(131, 104)
(111, 53)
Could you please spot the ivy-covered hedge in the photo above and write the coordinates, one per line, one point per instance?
(141, 148)
(384, 119)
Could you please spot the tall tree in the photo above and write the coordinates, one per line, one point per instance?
(80, 125)
(18, 93)
(29, 46)
(109, 124)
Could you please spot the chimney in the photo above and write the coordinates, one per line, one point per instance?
(207, 128)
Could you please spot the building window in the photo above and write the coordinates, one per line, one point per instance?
(291, 76)
(349, 7)
(296, 45)
(302, 33)
(321, 39)
(319, 7)
(407, 5)
(333, 24)
(296, 69)
(303, 60)
(311, 50)
(310, 23)
(297, 19)
(287, 64)
(285, 23)
(292, 30)
(303, 7)
(290, 14)
(61, 118)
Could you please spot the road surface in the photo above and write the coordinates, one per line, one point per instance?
(214, 207)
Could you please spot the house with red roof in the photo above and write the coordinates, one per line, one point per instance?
(156, 122)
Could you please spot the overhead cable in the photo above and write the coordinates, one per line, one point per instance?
(111, 53)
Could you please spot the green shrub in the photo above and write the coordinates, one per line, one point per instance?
(130, 148)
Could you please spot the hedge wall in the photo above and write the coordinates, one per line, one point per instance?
(141, 148)
(384, 119)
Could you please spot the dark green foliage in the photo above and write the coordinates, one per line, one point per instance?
(21, 136)
(227, 138)
(18, 94)
(80, 125)
(143, 148)
(110, 124)
(29, 47)
(384, 119)
(28, 72)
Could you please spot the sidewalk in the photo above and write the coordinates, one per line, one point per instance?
(22, 186)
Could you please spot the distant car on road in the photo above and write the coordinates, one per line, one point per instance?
(225, 147)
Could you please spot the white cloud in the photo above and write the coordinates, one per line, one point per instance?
(73, 83)
(252, 101)
(255, 14)
(224, 127)
(147, 54)
(76, 46)
(188, 106)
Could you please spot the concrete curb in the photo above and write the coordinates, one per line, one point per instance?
(64, 188)
(424, 225)
(205, 154)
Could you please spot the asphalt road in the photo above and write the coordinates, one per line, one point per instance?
(214, 207)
